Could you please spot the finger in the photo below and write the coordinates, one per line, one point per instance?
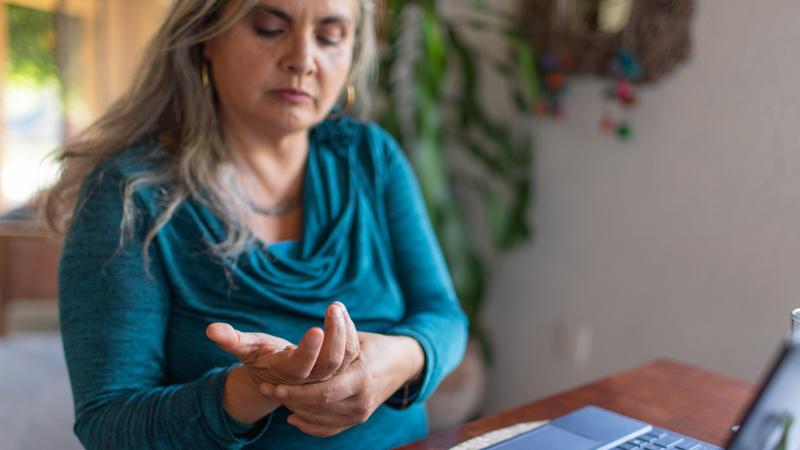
(341, 387)
(301, 360)
(239, 344)
(319, 411)
(326, 419)
(343, 414)
(333, 347)
(352, 346)
(312, 429)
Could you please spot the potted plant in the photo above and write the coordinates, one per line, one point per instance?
(430, 83)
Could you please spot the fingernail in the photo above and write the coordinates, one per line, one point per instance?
(281, 392)
(266, 390)
(336, 311)
(315, 338)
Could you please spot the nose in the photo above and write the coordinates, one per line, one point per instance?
(299, 57)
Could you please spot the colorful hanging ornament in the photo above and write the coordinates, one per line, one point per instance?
(620, 95)
(625, 69)
(553, 70)
(607, 124)
(542, 109)
(624, 130)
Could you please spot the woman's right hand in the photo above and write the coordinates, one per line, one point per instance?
(319, 356)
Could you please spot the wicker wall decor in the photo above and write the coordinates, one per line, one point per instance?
(656, 31)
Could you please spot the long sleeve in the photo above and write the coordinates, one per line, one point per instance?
(433, 315)
(114, 317)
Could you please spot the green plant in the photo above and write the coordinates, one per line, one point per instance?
(32, 46)
(425, 53)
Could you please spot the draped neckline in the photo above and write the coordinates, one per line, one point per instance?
(334, 134)
(336, 247)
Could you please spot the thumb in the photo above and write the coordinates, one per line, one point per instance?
(223, 335)
(238, 344)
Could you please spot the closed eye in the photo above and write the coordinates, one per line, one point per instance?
(331, 33)
(268, 32)
(326, 41)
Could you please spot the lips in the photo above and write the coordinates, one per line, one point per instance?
(293, 95)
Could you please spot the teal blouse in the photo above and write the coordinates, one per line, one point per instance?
(143, 373)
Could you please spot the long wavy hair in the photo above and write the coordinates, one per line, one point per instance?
(168, 100)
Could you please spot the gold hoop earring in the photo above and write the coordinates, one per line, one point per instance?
(205, 78)
(351, 97)
(350, 100)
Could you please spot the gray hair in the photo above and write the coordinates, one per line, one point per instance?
(167, 100)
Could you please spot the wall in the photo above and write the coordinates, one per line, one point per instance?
(114, 39)
(683, 243)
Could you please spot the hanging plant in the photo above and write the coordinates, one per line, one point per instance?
(431, 83)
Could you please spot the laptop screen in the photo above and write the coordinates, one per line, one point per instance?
(773, 421)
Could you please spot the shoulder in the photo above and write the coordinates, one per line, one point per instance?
(383, 143)
(140, 157)
(370, 145)
(107, 181)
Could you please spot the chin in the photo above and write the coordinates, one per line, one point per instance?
(294, 121)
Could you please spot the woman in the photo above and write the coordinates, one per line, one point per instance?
(221, 198)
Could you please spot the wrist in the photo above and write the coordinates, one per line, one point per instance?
(409, 367)
(410, 361)
(241, 398)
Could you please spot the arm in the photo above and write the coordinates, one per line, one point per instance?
(433, 315)
(114, 316)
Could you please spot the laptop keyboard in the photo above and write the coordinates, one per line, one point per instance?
(659, 440)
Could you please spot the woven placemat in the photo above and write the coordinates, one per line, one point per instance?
(496, 436)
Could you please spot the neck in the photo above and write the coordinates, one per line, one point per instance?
(272, 166)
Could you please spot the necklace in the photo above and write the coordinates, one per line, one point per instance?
(274, 211)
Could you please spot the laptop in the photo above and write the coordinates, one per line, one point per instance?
(772, 422)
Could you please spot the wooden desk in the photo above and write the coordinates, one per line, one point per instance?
(667, 394)
(28, 265)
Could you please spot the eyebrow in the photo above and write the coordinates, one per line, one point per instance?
(334, 19)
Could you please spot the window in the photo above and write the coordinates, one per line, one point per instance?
(61, 63)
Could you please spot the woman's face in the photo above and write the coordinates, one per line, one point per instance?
(283, 66)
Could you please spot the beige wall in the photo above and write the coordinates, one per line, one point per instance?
(683, 243)
(128, 25)
(115, 38)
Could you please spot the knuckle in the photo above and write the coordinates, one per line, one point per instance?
(351, 348)
(314, 408)
(348, 359)
(362, 411)
(326, 366)
(329, 395)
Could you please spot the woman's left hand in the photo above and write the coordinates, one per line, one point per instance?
(324, 409)
(319, 356)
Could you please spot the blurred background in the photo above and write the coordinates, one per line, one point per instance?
(626, 217)
(61, 63)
